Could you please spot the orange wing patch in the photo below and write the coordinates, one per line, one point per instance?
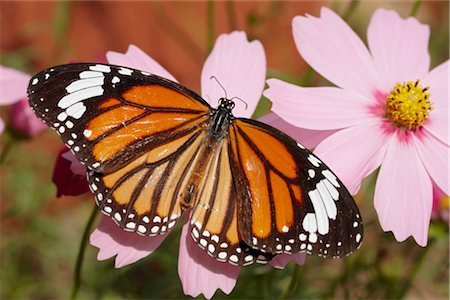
(271, 148)
(158, 96)
(108, 103)
(284, 210)
(111, 119)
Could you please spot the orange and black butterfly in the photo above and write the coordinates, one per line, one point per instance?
(154, 149)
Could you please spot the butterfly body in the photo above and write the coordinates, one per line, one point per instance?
(155, 150)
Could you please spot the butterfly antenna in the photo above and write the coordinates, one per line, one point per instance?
(214, 77)
(246, 105)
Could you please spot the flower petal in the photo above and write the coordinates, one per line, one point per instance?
(24, 121)
(240, 67)
(128, 247)
(434, 155)
(333, 49)
(321, 108)
(68, 182)
(2, 125)
(13, 85)
(308, 138)
(200, 273)
(138, 59)
(437, 80)
(403, 193)
(75, 166)
(399, 47)
(280, 261)
(353, 153)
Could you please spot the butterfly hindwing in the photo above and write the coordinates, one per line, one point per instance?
(214, 218)
(289, 201)
(109, 115)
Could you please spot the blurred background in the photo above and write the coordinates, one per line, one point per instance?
(41, 234)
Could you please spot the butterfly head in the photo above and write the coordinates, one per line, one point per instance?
(226, 104)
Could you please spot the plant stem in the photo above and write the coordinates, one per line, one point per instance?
(419, 262)
(81, 252)
(292, 284)
(415, 8)
(350, 9)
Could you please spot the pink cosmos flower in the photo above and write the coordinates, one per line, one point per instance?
(388, 110)
(13, 91)
(240, 67)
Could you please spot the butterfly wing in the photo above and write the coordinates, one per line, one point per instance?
(214, 218)
(288, 201)
(146, 195)
(109, 115)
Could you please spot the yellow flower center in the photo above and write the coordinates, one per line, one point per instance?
(408, 105)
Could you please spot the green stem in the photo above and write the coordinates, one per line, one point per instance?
(292, 284)
(81, 252)
(6, 148)
(350, 9)
(417, 266)
(210, 27)
(415, 8)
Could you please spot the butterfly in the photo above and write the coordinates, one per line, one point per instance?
(154, 149)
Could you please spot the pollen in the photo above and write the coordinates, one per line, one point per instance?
(408, 105)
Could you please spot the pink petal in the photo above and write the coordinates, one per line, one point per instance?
(67, 182)
(24, 121)
(321, 108)
(353, 153)
(438, 81)
(403, 193)
(2, 125)
(138, 59)
(200, 273)
(240, 67)
(13, 85)
(308, 138)
(435, 156)
(399, 47)
(280, 261)
(128, 247)
(333, 49)
(75, 166)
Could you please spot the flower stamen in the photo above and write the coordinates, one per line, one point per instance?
(408, 105)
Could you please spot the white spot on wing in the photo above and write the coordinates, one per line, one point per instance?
(319, 209)
(330, 205)
(77, 110)
(80, 95)
(84, 84)
(100, 68)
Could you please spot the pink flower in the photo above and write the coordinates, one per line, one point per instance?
(69, 175)
(13, 90)
(380, 109)
(240, 67)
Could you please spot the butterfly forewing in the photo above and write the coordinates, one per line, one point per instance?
(108, 115)
(289, 201)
